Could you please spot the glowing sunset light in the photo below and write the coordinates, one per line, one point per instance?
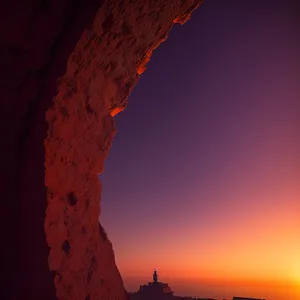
(116, 110)
(209, 191)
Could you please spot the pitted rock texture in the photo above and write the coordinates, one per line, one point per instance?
(78, 60)
(101, 72)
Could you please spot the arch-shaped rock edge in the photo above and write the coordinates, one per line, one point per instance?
(101, 72)
(98, 77)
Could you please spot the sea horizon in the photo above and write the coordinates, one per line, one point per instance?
(220, 291)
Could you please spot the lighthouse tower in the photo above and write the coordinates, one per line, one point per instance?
(155, 277)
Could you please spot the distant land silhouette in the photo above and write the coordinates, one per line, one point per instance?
(157, 290)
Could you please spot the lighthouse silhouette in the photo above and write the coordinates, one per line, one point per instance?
(155, 277)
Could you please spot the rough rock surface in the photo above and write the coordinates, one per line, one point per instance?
(116, 40)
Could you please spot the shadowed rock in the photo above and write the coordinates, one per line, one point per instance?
(78, 61)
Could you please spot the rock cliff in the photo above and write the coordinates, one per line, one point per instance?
(67, 68)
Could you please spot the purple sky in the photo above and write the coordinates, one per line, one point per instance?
(207, 153)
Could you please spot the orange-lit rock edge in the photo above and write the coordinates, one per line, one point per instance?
(101, 73)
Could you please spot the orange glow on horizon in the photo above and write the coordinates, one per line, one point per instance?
(211, 190)
(262, 250)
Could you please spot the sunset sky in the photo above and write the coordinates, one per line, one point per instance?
(203, 179)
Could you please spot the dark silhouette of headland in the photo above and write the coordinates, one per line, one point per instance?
(157, 290)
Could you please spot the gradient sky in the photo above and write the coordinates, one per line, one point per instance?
(203, 179)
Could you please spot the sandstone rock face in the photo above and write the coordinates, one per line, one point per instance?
(82, 74)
